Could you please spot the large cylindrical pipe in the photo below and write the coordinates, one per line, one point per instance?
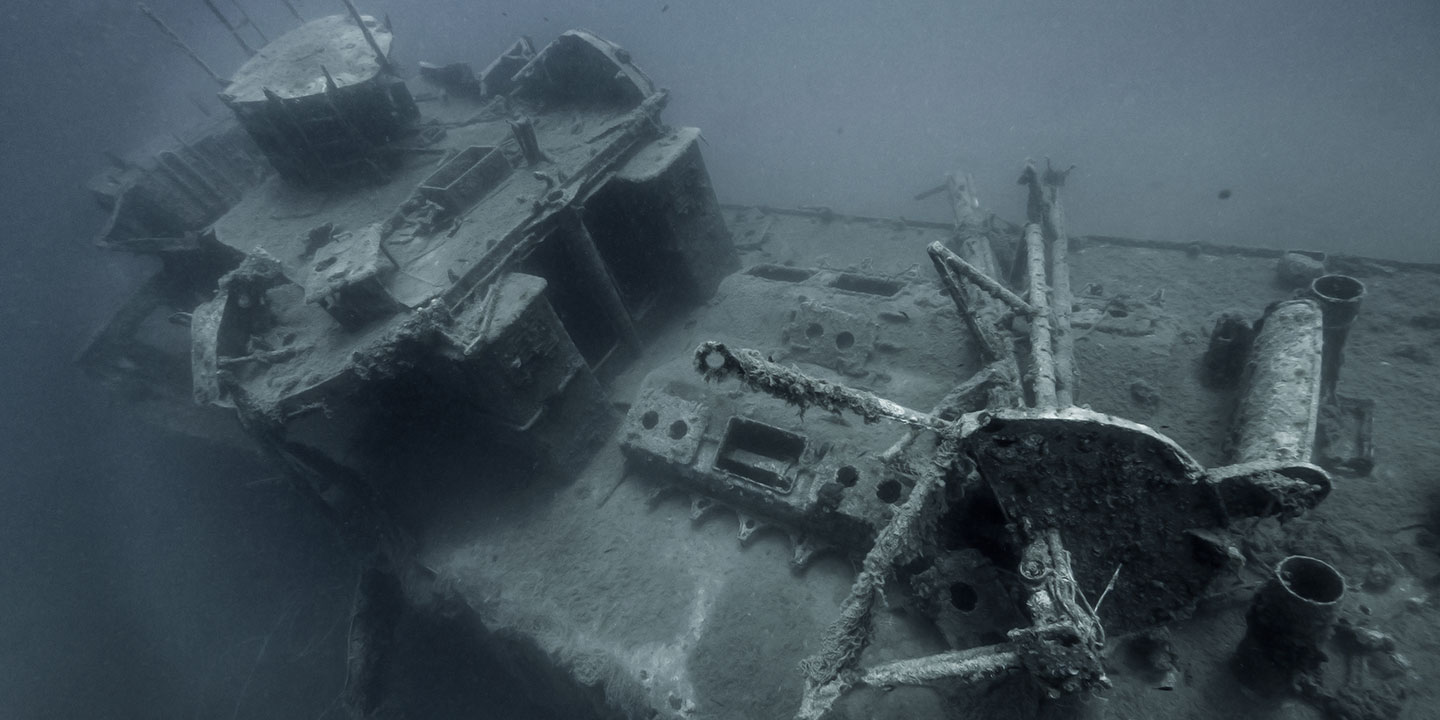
(1278, 413)
(1042, 349)
(1292, 617)
(1339, 297)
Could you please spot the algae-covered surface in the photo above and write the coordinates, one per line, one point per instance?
(608, 579)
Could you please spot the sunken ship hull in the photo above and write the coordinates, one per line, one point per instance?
(662, 457)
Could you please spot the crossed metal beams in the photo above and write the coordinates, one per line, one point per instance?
(1061, 648)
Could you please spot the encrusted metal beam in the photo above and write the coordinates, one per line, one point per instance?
(717, 362)
(1042, 354)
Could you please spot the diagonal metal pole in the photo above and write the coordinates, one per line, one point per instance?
(715, 361)
(369, 38)
(940, 254)
(215, 10)
(247, 21)
(293, 11)
(170, 34)
(848, 636)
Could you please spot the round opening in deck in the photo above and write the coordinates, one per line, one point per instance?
(963, 597)
(679, 429)
(650, 419)
(847, 476)
(888, 491)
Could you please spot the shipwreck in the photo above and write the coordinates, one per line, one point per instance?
(665, 457)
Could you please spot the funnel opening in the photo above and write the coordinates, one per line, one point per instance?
(1338, 288)
(1311, 580)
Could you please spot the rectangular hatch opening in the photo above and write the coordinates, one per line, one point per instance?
(760, 453)
(780, 273)
(867, 284)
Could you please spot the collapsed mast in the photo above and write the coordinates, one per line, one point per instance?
(1072, 483)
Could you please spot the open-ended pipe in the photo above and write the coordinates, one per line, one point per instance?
(1293, 615)
(1339, 297)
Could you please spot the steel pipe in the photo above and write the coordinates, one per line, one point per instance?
(1339, 297)
(1291, 618)
(1279, 410)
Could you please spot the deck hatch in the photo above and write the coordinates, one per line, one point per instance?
(866, 284)
(760, 453)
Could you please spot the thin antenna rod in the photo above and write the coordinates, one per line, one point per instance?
(379, 56)
(181, 44)
(228, 26)
(250, 22)
(293, 11)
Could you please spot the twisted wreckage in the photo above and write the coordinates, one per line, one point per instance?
(432, 298)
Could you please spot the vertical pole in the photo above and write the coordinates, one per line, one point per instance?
(524, 132)
(1044, 209)
(1061, 301)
